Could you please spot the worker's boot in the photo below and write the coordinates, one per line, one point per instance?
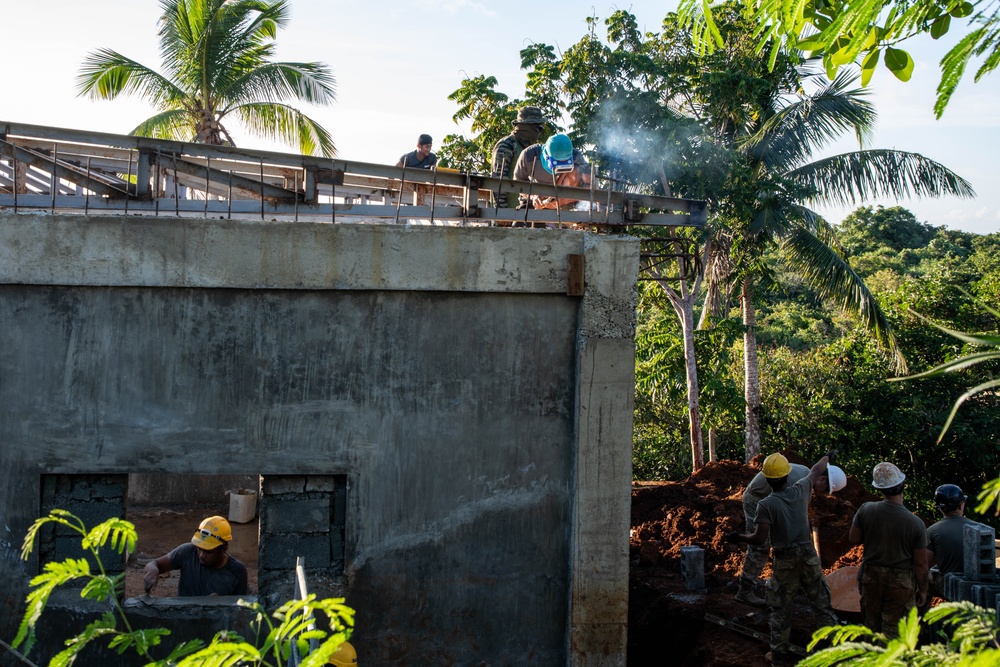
(747, 595)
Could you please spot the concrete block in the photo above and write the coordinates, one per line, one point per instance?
(301, 515)
(965, 589)
(279, 484)
(322, 483)
(279, 552)
(91, 513)
(69, 547)
(337, 547)
(979, 550)
(340, 505)
(693, 567)
(951, 580)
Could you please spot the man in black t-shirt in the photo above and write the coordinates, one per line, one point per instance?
(205, 565)
(422, 158)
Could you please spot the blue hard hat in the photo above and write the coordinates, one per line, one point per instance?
(557, 154)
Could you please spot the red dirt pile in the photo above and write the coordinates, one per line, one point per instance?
(667, 622)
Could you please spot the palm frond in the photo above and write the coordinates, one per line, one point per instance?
(106, 74)
(850, 178)
(798, 130)
(178, 125)
(833, 277)
(309, 82)
(280, 122)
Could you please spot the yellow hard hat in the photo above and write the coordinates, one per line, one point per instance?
(345, 656)
(776, 466)
(213, 532)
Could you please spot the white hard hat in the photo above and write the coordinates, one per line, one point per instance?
(836, 478)
(886, 475)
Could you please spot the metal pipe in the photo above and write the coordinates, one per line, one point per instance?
(590, 215)
(156, 183)
(229, 205)
(402, 182)
(86, 196)
(262, 188)
(128, 181)
(177, 203)
(527, 204)
(208, 168)
(54, 180)
(434, 192)
(558, 207)
(333, 200)
(295, 187)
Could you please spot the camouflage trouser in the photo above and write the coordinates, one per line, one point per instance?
(796, 567)
(756, 555)
(887, 595)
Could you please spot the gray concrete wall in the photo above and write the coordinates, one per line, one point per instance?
(481, 416)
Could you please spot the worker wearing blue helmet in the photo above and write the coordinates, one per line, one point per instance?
(555, 162)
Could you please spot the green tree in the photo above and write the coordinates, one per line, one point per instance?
(777, 118)
(216, 58)
(843, 32)
(866, 229)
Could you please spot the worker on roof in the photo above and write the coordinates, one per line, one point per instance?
(893, 572)
(422, 158)
(783, 518)
(205, 564)
(756, 556)
(556, 162)
(528, 128)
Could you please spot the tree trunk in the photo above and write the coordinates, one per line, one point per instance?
(694, 412)
(751, 370)
(711, 445)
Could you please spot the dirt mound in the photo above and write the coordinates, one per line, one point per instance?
(699, 511)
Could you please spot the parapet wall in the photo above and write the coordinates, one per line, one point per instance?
(461, 399)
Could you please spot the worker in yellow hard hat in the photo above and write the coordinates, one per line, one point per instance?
(783, 518)
(205, 564)
(345, 656)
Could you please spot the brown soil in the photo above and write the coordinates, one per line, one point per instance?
(700, 511)
(161, 529)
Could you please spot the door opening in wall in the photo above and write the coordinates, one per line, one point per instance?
(167, 510)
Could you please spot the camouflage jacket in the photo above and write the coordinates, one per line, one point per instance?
(505, 154)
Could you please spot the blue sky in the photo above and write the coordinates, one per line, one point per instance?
(396, 62)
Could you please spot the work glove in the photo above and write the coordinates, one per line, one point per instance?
(733, 537)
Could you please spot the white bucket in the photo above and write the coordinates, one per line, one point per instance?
(242, 505)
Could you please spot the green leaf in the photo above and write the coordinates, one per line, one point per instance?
(868, 66)
(940, 26)
(962, 10)
(121, 533)
(899, 63)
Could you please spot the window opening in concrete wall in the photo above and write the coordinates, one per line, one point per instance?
(166, 510)
(94, 498)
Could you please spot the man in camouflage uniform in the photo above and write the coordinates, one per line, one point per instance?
(756, 555)
(783, 517)
(527, 130)
(894, 568)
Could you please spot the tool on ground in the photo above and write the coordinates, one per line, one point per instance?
(750, 632)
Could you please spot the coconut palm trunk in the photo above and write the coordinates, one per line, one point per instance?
(751, 372)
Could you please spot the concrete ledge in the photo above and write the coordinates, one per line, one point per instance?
(176, 252)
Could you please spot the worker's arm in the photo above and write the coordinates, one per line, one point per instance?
(151, 573)
(920, 568)
(757, 537)
(818, 470)
(855, 536)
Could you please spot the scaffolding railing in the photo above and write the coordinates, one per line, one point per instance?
(77, 171)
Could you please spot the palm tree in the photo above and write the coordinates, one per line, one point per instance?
(216, 57)
(770, 208)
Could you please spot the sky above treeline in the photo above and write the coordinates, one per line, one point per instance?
(396, 62)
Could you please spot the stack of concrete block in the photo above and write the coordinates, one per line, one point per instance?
(978, 583)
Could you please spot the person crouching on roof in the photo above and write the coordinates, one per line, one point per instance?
(556, 163)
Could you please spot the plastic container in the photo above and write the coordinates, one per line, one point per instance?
(242, 505)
